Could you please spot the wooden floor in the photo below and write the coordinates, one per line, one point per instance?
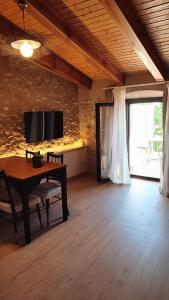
(115, 246)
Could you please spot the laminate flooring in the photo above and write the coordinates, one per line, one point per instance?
(115, 246)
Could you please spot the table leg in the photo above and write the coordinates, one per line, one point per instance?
(64, 199)
(25, 205)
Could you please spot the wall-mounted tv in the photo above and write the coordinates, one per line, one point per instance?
(41, 126)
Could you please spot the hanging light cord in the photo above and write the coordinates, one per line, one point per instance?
(23, 16)
(22, 5)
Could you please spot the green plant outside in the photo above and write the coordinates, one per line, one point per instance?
(158, 128)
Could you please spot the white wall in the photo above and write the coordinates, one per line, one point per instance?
(144, 94)
(76, 161)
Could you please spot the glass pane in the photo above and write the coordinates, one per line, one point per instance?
(146, 139)
(105, 112)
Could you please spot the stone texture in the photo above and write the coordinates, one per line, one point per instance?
(26, 87)
(87, 101)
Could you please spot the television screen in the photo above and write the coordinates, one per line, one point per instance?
(53, 125)
(40, 126)
(34, 126)
(58, 125)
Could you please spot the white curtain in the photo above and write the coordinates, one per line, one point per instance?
(118, 169)
(164, 180)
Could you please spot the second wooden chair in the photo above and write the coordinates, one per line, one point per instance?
(50, 191)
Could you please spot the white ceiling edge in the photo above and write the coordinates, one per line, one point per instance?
(144, 94)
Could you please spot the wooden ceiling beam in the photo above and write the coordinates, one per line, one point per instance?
(60, 67)
(130, 23)
(51, 62)
(44, 14)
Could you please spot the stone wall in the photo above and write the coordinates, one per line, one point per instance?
(26, 87)
(87, 101)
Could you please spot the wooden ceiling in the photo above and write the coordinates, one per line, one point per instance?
(155, 16)
(105, 39)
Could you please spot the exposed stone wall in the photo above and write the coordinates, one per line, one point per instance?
(87, 101)
(26, 87)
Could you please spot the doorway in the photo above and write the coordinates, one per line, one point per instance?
(145, 137)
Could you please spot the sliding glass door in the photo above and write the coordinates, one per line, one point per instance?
(145, 126)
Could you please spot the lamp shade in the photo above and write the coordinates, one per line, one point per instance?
(19, 43)
(26, 46)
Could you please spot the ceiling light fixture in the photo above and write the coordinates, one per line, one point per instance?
(25, 45)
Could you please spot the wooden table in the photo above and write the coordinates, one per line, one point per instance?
(25, 179)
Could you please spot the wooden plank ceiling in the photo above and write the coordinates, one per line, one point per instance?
(91, 21)
(155, 16)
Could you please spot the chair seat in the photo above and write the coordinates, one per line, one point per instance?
(47, 190)
(51, 179)
(6, 206)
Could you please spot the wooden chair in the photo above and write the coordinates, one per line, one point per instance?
(10, 201)
(57, 158)
(52, 188)
(29, 154)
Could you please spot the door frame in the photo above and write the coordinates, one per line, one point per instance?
(128, 103)
(98, 144)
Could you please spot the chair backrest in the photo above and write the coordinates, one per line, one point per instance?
(5, 185)
(57, 158)
(30, 154)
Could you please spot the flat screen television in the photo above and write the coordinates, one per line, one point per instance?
(41, 126)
